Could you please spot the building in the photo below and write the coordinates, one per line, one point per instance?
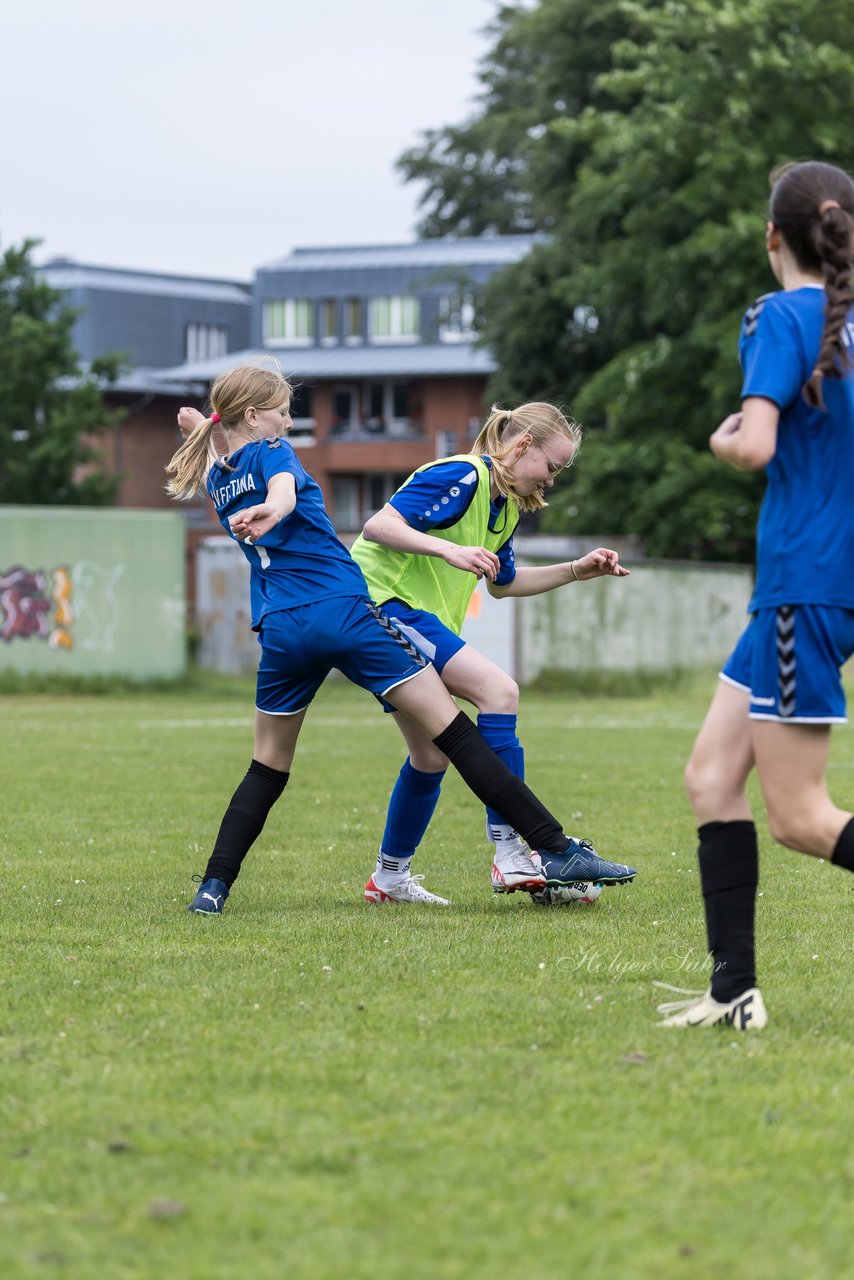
(379, 341)
(153, 319)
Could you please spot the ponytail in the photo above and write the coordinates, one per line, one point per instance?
(832, 236)
(812, 206)
(190, 464)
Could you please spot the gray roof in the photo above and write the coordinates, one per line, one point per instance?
(62, 273)
(466, 251)
(368, 361)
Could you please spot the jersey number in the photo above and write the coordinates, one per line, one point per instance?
(262, 554)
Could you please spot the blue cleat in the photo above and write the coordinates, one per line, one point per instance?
(210, 898)
(581, 862)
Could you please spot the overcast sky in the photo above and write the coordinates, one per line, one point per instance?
(212, 137)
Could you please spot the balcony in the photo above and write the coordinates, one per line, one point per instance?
(376, 430)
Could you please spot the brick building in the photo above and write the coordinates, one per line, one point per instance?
(378, 340)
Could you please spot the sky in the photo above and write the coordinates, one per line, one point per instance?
(210, 137)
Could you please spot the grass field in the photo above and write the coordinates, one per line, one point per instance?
(312, 1088)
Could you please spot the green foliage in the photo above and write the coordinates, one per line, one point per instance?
(50, 413)
(641, 134)
(187, 1098)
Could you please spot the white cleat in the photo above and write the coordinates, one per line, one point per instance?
(745, 1013)
(407, 890)
(515, 870)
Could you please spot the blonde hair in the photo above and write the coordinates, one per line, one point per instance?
(247, 386)
(504, 426)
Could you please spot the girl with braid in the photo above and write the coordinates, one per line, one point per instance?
(781, 689)
(312, 612)
(450, 524)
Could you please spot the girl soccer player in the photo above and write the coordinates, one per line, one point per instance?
(781, 690)
(449, 525)
(312, 612)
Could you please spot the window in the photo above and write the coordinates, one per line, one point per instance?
(329, 321)
(456, 317)
(288, 320)
(206, 341)
(353, 320)
(345, 502)
(387, 407)
(394, 319)
(301, 403)
(345, 409)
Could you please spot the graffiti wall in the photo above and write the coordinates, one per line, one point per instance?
(92, 592)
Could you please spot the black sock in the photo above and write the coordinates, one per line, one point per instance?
(244, 820)
(497, 786)
(843, 854)
(729, 876)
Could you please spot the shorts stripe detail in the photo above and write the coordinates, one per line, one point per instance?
(734, 684)
(396, 634)
(760, 715)
(786, 681)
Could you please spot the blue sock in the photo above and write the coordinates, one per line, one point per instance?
(410, 809)
(499, 731)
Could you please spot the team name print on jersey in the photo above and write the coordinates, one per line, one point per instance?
(241, 484)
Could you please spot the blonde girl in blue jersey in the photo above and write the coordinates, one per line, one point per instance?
(448, 526)
(312, 612)
(781, 689)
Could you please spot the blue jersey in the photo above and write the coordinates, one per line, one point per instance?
(438, 496)
(805, 540)
(300, 561)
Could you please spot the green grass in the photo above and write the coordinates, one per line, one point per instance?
(309, 1087)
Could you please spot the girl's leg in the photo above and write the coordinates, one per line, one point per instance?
(243, 821)
(425, 700)
(791, 761)
(470, 675)
(716, 778)
(413, 801)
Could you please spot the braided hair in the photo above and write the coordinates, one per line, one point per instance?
(812, 206)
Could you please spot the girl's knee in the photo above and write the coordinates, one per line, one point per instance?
(503, 698)
(789, 829)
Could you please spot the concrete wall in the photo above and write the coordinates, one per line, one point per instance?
(92, 592)
(664, 616)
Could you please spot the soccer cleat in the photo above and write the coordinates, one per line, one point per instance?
(745, 1013)
(409, 889)
(515, 870)
(580, 861)
(210, 898)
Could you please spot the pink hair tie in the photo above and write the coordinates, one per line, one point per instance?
(827, 204)
(215, 417)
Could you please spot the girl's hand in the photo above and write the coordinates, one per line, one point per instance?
(188, 420)
(253, 522)
(476, 560)
(601, 563)
(730, 426)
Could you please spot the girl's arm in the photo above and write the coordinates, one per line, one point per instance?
(253, 522)
(389, 529)
(535, 579)
(748, 440)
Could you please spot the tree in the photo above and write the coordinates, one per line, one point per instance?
(49, 410)
(654, 201)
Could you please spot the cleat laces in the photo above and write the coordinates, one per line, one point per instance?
(676, 1006)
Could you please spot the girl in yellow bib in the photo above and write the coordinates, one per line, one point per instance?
(449, 525)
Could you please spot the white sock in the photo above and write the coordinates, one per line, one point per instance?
(390, 871)
(506, 839)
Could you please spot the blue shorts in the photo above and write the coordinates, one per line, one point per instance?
(789, 658)
(300, 646)
(437, 642)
